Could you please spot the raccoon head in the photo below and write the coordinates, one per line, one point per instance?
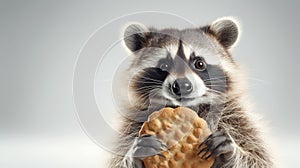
(181, 67)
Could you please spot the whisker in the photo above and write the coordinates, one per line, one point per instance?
(215, 91)
(142, 100)
(215, 81)
(147, 77)
(216, 78)
(217, 85)
(149, 80)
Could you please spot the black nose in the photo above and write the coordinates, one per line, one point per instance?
(182, 86)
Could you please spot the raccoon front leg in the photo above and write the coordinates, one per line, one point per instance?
(144, 146)
(220, 146)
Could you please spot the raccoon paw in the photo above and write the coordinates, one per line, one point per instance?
(218, 145)
(144, 146)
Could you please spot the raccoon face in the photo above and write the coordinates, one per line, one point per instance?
(181, 67)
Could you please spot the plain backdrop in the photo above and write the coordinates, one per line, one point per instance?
(40, 42)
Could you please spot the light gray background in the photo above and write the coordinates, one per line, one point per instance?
(40, 41)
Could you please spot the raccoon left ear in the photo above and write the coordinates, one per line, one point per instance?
(226, 30)
(135, 36)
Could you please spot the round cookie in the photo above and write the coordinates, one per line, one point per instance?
(182, 130)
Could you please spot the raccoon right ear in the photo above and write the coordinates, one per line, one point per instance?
(226, 30)
(135, 36)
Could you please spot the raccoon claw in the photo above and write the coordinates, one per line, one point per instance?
(218, 145)
(148, 145)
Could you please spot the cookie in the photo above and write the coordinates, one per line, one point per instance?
(182, 130)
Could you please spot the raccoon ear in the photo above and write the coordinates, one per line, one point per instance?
(226, 30)
(135, 36)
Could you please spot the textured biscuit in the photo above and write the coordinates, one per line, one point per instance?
(182, 131)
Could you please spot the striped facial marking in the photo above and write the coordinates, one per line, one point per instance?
(164, 67)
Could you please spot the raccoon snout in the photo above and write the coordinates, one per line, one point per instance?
(182, 87)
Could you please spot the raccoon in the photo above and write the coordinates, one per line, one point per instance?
(193, 68)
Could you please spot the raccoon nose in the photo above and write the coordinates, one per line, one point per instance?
(182, 87)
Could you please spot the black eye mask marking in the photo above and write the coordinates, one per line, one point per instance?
(147, 80)
(165, 64)
(152, 78)
(213, 76)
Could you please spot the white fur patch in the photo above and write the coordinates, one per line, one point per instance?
(187, 50)
(199, 88)
(172, 49)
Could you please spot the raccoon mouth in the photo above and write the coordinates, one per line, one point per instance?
(178, 99)
(181, 99)
(188, 101)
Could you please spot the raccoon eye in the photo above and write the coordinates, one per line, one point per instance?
(164, 66)
(200, 64)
